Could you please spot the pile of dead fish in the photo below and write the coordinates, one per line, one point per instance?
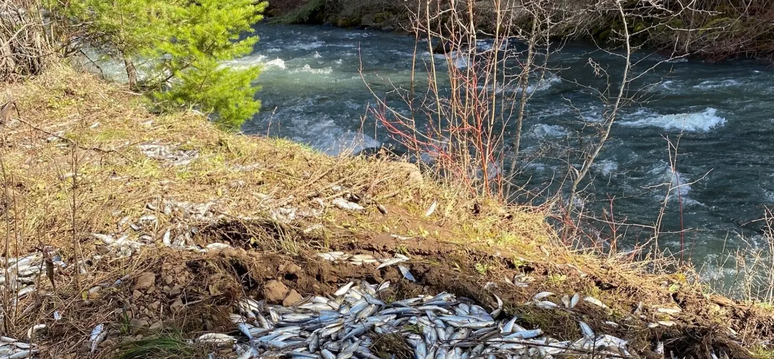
(11, 348)
(442, 326)
(135, 234)
(18, 276)
(170, 156)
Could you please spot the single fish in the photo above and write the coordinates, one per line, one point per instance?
(541, 295)
(596, 302)
(574, 300)
(508, 327)
(97, 335)
(525, 334)
(430, 210)
(344, 289)
(390, 262)
(586, 330)
(216, 338)
(546, 305)
(499, 309)
(245, 329)
(406, 273)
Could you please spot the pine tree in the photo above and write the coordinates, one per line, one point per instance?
(187, 41)
(203, 35)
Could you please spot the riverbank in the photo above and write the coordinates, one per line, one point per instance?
(712, 31)
(175, 222)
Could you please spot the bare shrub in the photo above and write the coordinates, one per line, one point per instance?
(24, 45)
(467, 95)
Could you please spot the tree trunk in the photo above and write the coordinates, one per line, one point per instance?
(131, 73)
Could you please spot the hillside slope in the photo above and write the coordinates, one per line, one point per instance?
(175, 221)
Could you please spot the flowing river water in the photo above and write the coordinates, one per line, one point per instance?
(723, 113)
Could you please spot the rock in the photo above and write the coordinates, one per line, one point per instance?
(138, 323)
(292, 268)
(145, 281)
(157, 325)
(411, 172)
(169, 279)
(136, 294)
(368, 21)
(274, 291)
(292, 298)
(155, 306)
(177, 305)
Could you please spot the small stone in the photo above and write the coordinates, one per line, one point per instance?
(136, 294)
(292, 298)
(138, 323)
(177, 305)
(411, 172)
(169, 279)
(157, 325)
(176, 290)
(145, 281)
(292, 268)
(155, 306)
(274, 291)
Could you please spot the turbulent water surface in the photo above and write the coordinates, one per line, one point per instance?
(312, 92)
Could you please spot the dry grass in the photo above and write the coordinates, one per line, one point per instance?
(78, 138)
(105, 125)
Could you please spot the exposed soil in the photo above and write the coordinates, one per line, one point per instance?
(195, 293)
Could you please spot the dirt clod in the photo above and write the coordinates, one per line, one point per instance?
(146, 280)
(177, 305)
(292, 268)
(274, 291)
(292, 298)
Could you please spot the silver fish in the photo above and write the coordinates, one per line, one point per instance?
(499, 309)
(97, 335)
(406, 273)
(586, 330)
(392, 261)
(541, 296)
(574, 300)
(508, 327)
(431, 209)
(245, 330)
(326, 354)
(596, 302)
(344, 289)
(216, 338)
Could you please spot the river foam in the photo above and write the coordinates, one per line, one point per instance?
(690, 122)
